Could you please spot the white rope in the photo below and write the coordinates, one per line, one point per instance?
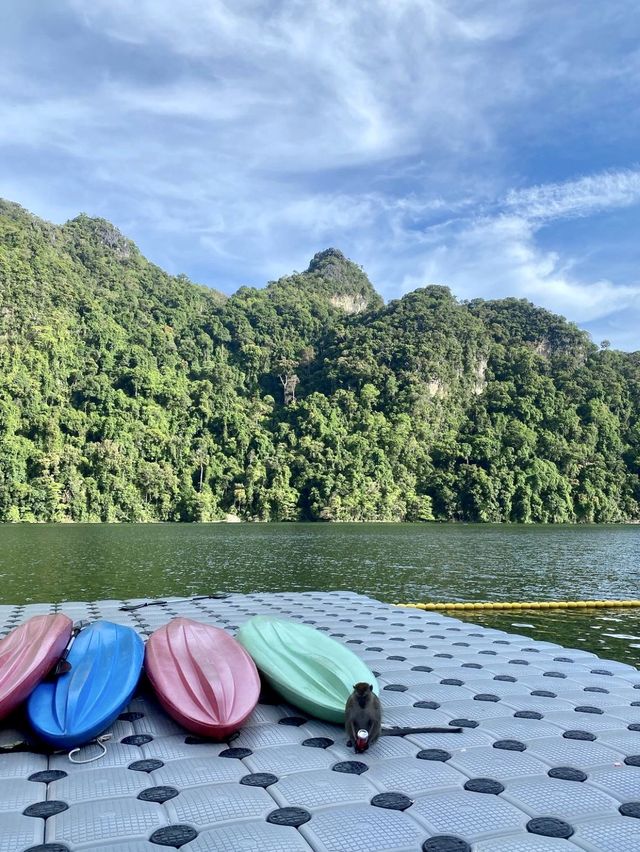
(100, 741)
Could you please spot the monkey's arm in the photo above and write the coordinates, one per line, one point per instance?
(349, 725)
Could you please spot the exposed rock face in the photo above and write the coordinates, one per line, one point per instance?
(480, 381)
(104, 233)
(111, 237)
(436, 388)
(350, 304)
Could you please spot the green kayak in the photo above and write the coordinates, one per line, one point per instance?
(311, 670)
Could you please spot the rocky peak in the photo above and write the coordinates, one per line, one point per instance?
(350, 289)
(331, 263)
(103, 233)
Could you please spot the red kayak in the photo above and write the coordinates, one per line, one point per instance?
(202, 677)
(29, 653)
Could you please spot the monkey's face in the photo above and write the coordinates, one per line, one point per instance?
(362, 690)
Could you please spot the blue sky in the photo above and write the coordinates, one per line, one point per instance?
(489, 146)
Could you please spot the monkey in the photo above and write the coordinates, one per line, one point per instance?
(363, 720)
(363, 717)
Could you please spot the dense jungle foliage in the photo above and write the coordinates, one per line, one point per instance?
(127, 394)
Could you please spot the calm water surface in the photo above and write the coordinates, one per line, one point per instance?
(392, 562)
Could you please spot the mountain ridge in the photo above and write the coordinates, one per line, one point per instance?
(130, 394)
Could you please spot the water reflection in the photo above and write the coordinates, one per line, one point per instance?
(393, 562)
(587, 629)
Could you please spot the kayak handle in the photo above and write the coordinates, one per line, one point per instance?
(63, 665)
(100, 741)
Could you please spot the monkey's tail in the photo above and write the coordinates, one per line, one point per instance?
(401, 732)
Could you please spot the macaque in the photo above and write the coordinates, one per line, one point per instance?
(363, 717)
(363, 720)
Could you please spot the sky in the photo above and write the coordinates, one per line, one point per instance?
(492, 147)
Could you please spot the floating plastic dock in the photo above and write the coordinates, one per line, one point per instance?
(549, 756)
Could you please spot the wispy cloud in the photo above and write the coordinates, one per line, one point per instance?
(581, 197)
(431, 140)
(502, 252)
(497, 243)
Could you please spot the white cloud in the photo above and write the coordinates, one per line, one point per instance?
(499, 257)
(496, 254)
(239, 138)
(581, 197)
(320, 85)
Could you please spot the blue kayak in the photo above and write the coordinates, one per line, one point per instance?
(106, 661)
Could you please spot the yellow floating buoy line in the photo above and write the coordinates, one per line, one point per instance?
(522, 605)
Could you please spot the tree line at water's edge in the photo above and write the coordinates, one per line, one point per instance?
(127, 394)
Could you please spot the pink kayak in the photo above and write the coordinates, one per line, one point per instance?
(202, 676)
(27, 654)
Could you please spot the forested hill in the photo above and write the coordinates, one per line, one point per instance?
(127, 394)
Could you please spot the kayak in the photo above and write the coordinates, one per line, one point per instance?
(203, 678)
(311, 670)
(106, 661)
(27, 654)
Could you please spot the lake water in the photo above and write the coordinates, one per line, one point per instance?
(392, 562)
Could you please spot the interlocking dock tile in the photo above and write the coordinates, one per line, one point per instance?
(362, 828)
(548, 758)
(323, 788)
(250, 837)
